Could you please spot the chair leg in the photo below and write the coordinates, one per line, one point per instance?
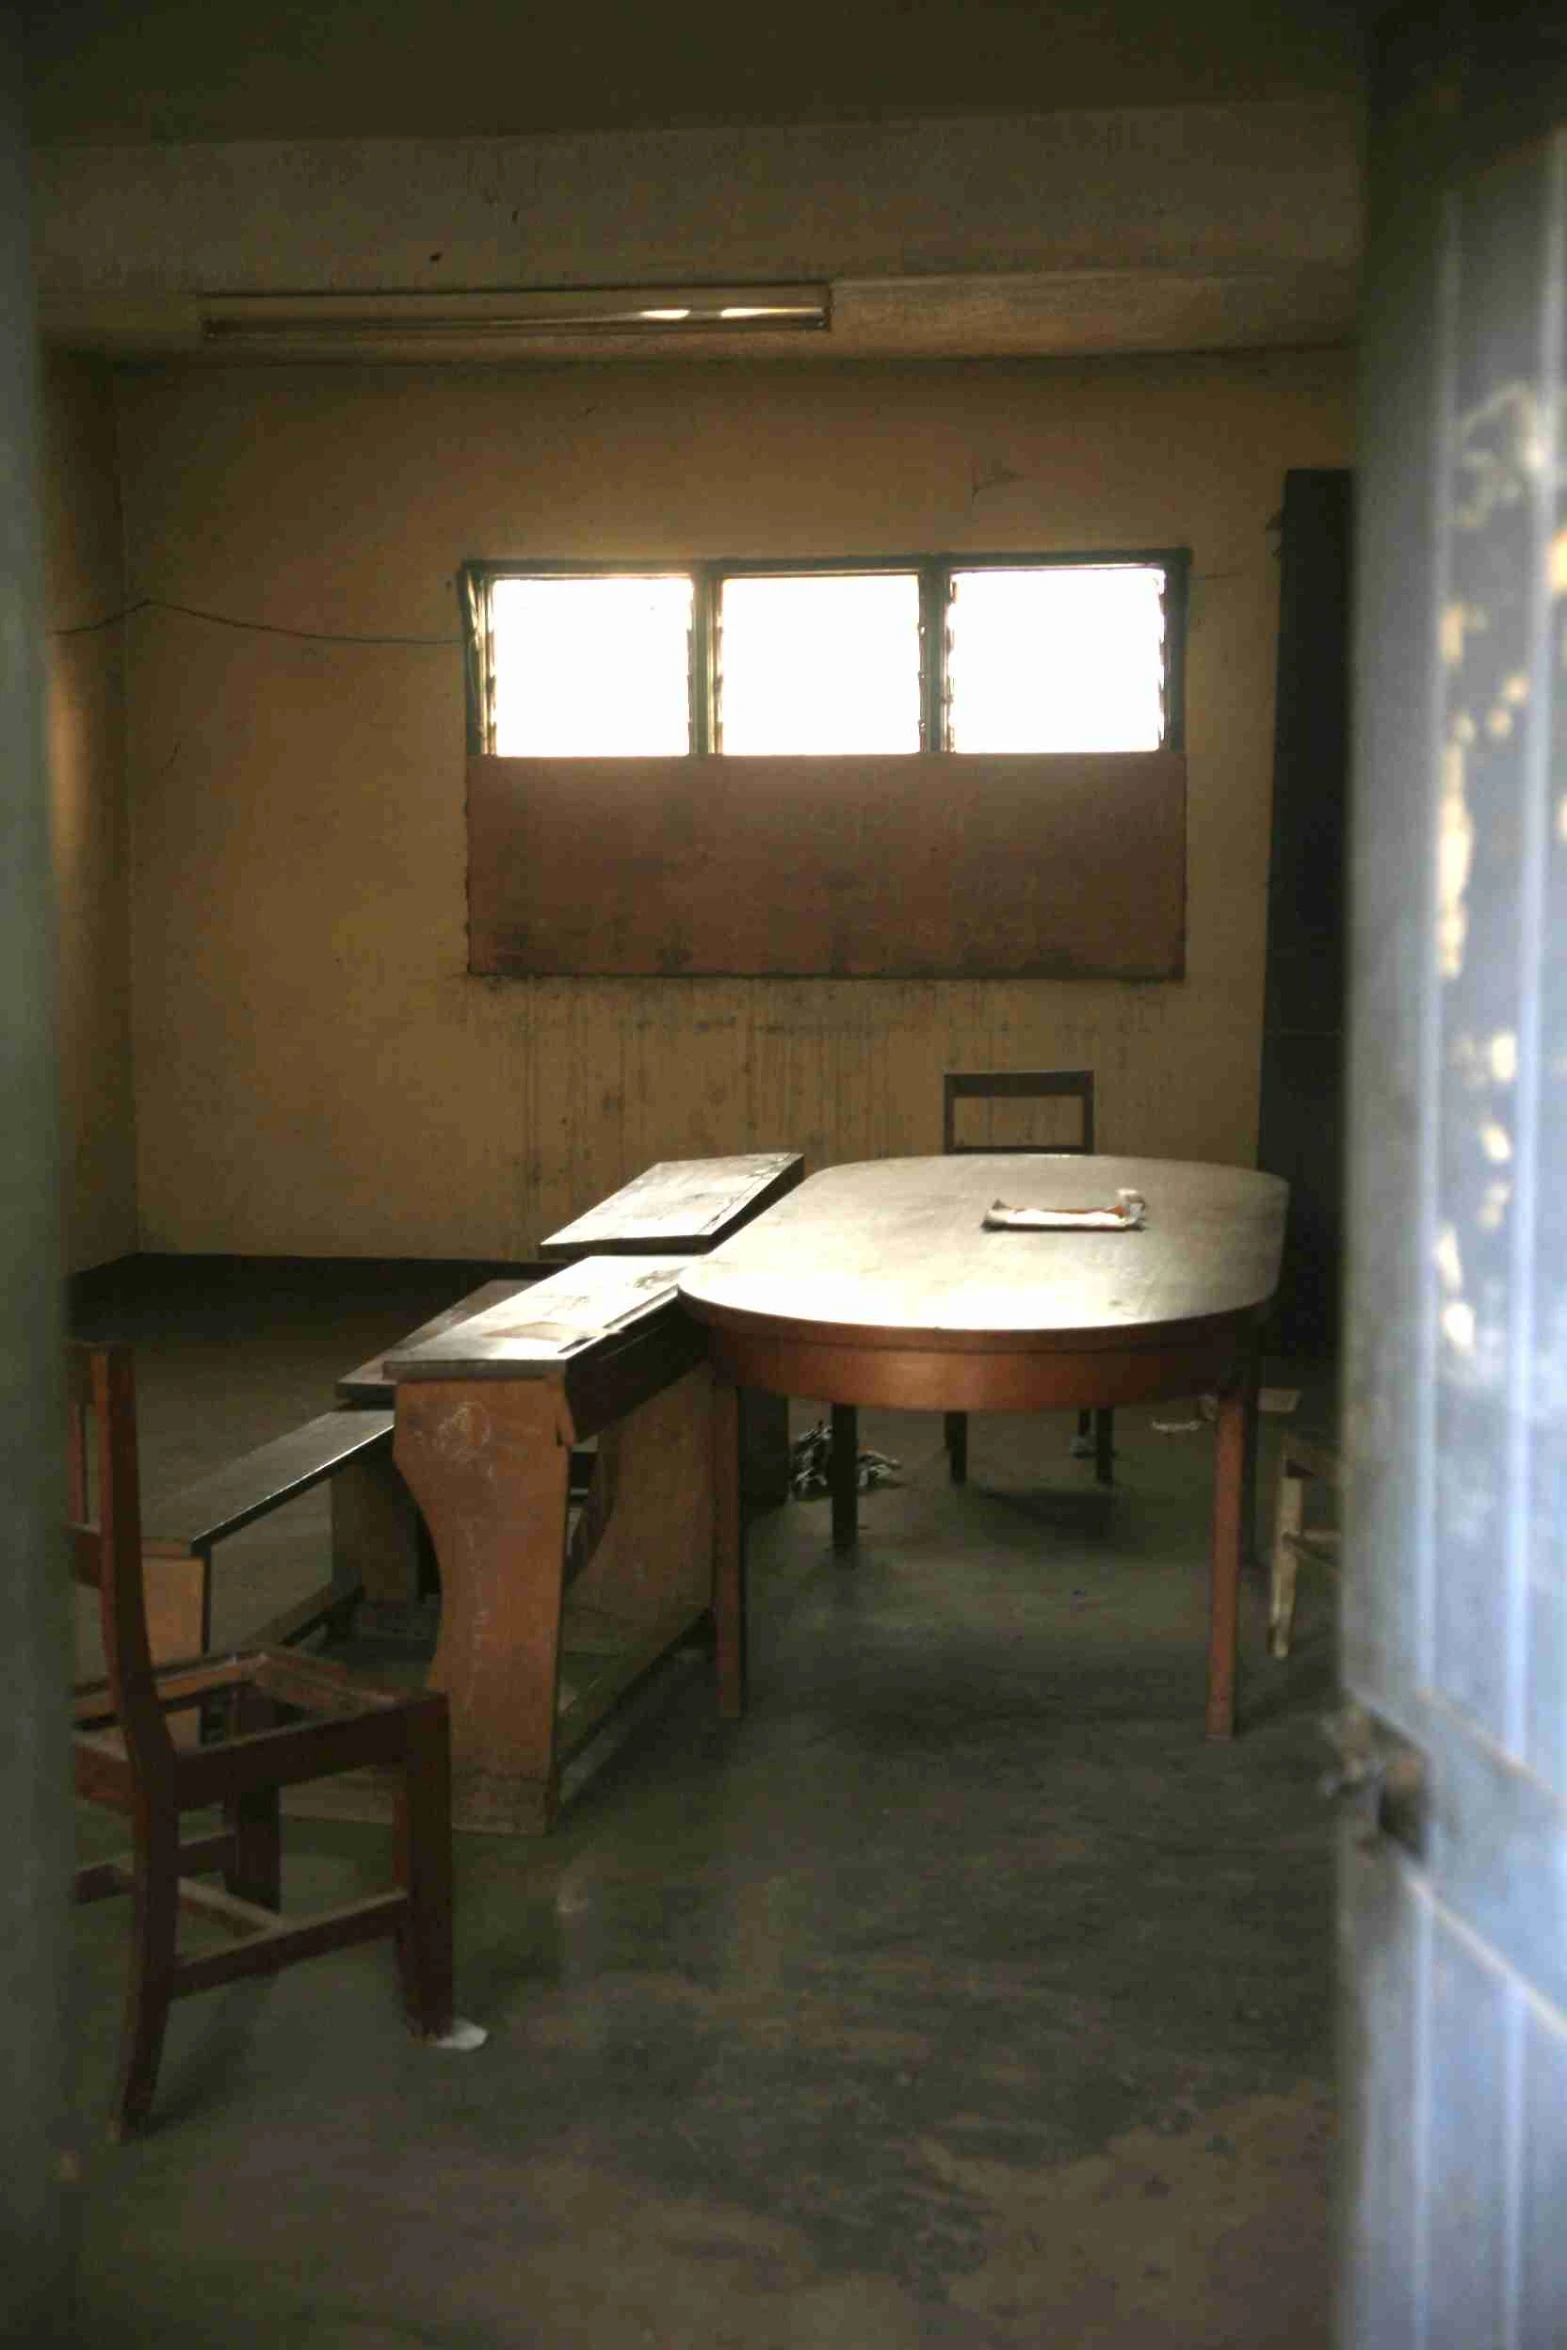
(956, 1430)
(1104, 1445)
(154, 1920)
(1288, 1516)
(423, 1826)
(256, 1871)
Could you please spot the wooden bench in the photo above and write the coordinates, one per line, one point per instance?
(690, 1206)
(380, 1553)
(181, 1531)
(488, 1413)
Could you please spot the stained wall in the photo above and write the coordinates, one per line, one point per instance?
(316, 1071)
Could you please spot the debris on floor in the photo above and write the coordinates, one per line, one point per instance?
(1277, 1400)
(810, 1464)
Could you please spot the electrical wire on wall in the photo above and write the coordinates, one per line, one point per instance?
(314, 636)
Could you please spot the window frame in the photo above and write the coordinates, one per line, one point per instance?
(708, 573)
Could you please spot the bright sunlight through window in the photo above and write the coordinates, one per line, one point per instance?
(1075, 655)
(1060, 658)
(828, 662)
(592, 668)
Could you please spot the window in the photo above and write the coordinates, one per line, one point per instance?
(965, 654)
(919, 768)
(819, 662)
(591, 667)
(1060, 658)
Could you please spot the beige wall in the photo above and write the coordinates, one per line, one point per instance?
(316, 1071)
(81, 516)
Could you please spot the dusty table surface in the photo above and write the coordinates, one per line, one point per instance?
(899, 1245)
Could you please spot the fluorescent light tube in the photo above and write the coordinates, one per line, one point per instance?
(497, 314)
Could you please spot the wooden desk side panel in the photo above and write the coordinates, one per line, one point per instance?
(489, 1466)
(925, 866)
(655, 1556)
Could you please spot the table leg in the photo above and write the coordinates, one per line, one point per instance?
(488, 1462)
(845, 1476)
(728, 1551)
(1229, 1478)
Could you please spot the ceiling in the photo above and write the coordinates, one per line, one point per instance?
(971, 177)
(322, 69)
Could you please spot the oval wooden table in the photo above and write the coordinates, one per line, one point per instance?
(878, 1284)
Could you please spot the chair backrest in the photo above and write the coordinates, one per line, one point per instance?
(1012, 1085)
(103, 1504)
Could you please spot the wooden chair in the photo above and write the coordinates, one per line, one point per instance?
(1012, 1085)
(286, 1718)
(1301, 1458)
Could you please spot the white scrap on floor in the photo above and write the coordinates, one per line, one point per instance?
(461, 2035)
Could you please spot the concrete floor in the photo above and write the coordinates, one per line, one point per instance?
(962, 1996)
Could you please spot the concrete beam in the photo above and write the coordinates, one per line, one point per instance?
(1052, 212)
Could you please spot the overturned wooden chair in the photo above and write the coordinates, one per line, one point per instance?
(1303, 1459)
(284, 1718)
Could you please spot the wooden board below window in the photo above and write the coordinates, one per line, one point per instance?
(1070, 866)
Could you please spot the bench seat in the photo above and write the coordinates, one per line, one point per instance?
(185, 1527)
(191, 1521)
